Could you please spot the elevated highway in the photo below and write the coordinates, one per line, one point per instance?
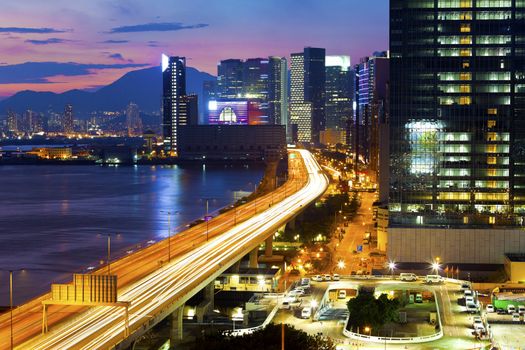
(156, 290)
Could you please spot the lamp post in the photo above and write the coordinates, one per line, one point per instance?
(206, 217)
(109, 252)
(11, 272)
(169, 212)
(392, 266)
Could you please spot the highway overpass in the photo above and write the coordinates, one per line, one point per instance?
(156, 291)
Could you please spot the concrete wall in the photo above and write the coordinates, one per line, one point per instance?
(477, 246)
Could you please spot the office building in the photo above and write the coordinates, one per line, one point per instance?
(230, 79)
(338, 93)
(174, 88)
(190, 107)
(278, 91)
(372, 74)
(67, 120)
(12, 122)
(232, 142)
(457, 101)
(307, 94)
(133, 120)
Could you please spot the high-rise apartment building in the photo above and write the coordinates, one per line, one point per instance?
(338, 93)
(133, 120)
(190, 107)
(307, 93)
(12, 121)
(457, 101)
(278, 91)
(67, 120)
(209, 93)
(174, 88)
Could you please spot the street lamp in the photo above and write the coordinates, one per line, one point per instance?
(206, 218)
(392, 266)
(436, 267)
(368, 330)
(341, 264)
(169, 230)
(11, 302)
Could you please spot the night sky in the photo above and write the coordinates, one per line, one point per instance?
(86, 44)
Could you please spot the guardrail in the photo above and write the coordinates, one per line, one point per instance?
(397, 340)
(243, 331)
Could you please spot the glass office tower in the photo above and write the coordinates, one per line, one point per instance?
(457, 113)
(173, 90)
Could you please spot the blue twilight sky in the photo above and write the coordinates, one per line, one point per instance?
(89, 43)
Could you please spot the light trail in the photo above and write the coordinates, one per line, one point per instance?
(103, 327)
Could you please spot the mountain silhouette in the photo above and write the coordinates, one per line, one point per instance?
(143, 87)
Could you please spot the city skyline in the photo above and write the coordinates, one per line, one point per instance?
(104, 40)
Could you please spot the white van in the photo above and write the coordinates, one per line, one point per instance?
(433, 279)
(341, 294)
(407, 277)
(511, 309)
(306, 312)
(521, 309)
(305, 282)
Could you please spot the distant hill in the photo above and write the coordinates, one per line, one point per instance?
(143, 87)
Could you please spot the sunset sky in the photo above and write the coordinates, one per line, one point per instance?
(57, 45)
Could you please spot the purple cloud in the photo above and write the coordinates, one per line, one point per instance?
(114, 41)
(47, 41)
(25, 30)
(156, 27)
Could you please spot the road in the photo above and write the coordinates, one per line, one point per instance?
(361, 223)
(195, 260)
(457, 325)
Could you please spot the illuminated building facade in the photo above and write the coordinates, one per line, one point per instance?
(230, 78)
(278, 91)
(67, 120)
(457, 90)
(236, 112)
(133, 121)
(174, 88)
(338, 93)
(307, 94)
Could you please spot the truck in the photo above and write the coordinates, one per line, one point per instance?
(502, 297)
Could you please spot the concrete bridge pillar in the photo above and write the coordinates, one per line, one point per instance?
(254, 255)
(291, 224)
(176, 325)
(207, 304)
(236, 267)
(268, 250)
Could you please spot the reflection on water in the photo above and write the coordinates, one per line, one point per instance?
(54, 220)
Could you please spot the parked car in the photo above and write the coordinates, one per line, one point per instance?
(306, 312)
(285, 305)
(327, 277)
(478, 323)
(317, 278)
(468, 293)
(419, 298)
(305, 282)
(407, 277)
(472, 308)
(341, 294)
(336, 277)
(465, 286)
(521, 309)
(516, 317)
(511, 309)
(490, 308)
(430, 279)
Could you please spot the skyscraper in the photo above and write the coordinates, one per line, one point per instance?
(67, 120)
(133, 120)
(230, 78)
(338, 92)
(457, 187)
(307, 93)
(190, 107)
(300, 110)
(12, 121)
(278, 91)
(173, 90)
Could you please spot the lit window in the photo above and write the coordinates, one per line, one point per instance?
(491, 124)
(492, 111)
(465, 28)
(492, 220)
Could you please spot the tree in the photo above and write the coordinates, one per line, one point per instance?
(367, 311)
(268, 338)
